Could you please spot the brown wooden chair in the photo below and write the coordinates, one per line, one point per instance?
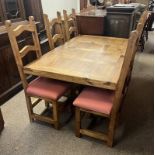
(41, 88)
(54, 30)
(142, 32)
(70, 24)
(143, 17)
(103, 102)
(139, 30)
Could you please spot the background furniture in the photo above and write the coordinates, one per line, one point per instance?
(9, 77)
(120, 21)
(54, 38)
(12, 10)
(114, 21)
(83, 4)
(70, 24)
(91, 22)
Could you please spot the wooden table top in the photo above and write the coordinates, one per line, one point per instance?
(88, 60)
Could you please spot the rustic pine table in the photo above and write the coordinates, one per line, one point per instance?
(89, 60)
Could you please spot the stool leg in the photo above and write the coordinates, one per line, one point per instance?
(77, 122)
(111, 131)
(29, 107)
(46, 104)
(56, 115)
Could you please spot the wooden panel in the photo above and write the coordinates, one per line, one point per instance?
(90, 25)
(91, 22)
(88, 60)
(9, 78)
(83, 4)
(10, 67)
(34, 8)
(4, 78)
(119, 25)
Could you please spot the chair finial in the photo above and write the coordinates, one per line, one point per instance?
(45, 15)
(8, 23)
(73, 12)
(59, 16)
(65, 14)
(31, 19)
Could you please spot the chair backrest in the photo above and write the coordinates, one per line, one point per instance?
(70, 24)
(54, 37)
(13, 33)
(139, 30)
(141, 24)
(124, 71)
(143, 18)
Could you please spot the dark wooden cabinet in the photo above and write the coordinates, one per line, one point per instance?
(10, 82)
(11, 10)
(91, 22)
(34, 7)
(119, 25)
(91, 25)
(4, 78)
(109, 22)
(120, 21)
(10, 66)
(83, 4)
(9, 77)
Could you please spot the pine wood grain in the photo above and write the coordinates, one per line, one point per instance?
(88, 60)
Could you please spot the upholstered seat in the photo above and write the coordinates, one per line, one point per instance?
(47, 88)
(95, 99)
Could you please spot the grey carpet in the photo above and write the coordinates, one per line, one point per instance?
(134, 136)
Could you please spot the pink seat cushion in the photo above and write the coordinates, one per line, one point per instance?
(95, 99)
(47, 88)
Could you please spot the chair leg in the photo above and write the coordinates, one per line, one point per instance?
(111, 131)
(29, 107)
(46, 104)
(56, 115)
(77, 122)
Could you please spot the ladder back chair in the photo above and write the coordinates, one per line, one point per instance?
(142, 32)
(140, 41)
(52, 34)
(70, 24)
(139, 30)
(103, 102)
(40, 88)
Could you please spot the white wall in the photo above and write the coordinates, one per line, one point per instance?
(50, 7)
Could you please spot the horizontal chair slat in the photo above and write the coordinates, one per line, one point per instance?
(93, 112)
(24, 51)
(17, 31)
(43, 118)
(57, 36)
(97, 135)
